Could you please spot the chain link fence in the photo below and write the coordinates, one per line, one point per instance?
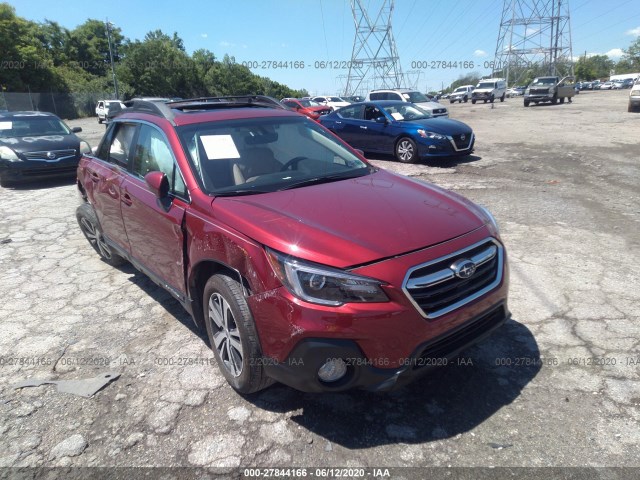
(64, 105)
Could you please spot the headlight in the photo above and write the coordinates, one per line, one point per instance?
(317, 283)
(84, 147)
(7, 154)
(492, 220)
(431, 135)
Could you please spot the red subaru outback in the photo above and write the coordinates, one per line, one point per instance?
(304, 263)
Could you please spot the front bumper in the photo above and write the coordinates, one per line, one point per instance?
(27, 170)
(634, 101)
(299, 370)
(445, 148)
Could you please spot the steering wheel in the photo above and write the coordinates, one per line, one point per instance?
(292, 163)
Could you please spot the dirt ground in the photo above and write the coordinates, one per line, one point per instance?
(558, 386)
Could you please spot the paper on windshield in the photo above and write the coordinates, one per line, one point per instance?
(219, 146)
(6, 125)
(397, 116)
(406, 96)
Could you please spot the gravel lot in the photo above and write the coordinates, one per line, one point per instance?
(558, 386)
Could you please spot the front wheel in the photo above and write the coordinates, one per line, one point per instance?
(473, 101)
(406, 150)
(492, 99)
(554, 100)
(90, 227)
(232, 335)
(526, 103)
(502, 97)
(466, 99)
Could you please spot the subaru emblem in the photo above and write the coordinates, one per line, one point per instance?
(463, 137)
(463, 268)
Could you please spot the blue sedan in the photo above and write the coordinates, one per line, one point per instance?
(399, 128)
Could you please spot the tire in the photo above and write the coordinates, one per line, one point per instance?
(473, 101)
(466, 99)
(451, 101)
(502, 97)
(561, 100)
(99, 120)
(526, 103)
(406, 150)
(232, 334)
(554, 100)
(492, 99)
(90, 227)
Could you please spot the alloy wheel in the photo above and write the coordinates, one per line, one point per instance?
(226, 336)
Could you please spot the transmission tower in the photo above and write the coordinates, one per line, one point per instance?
(533, 34)
(374, 56)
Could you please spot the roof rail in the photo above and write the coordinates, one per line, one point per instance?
(158, 108)
(202, 103)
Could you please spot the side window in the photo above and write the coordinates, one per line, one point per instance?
(372, 112)
(348, 112)
(153, 153)
(377, 96)
(118, 147)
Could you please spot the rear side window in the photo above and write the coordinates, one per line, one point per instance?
(116, 148)
(153, 153)
(353, 112)
(377, 96)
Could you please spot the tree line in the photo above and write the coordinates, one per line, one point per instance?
(46, 57)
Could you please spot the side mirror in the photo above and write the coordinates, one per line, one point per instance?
(94, 150)
(381, 120)
(76, 129)
(158, 183)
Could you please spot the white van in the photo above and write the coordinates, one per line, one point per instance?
(489, 89)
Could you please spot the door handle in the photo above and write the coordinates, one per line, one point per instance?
(94, 176)
(126, 199)
(112, 192)
(364, 128)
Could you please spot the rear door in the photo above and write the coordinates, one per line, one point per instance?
(154, 228)
(103, 179)
(347, 124)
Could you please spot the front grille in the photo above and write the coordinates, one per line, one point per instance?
(462, 144)
(444, 347)
(538, 91)
(436, 290)
(52, 170)
(439, 111)
(50, 155)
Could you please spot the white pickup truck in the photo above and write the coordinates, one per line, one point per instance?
(102, 108)
(549, 89)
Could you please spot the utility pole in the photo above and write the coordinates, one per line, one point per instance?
(374, 55)
(533, 33)
(113, 69)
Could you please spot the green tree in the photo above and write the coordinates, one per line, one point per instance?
(158, 66)
(631, 57)
(89, 46)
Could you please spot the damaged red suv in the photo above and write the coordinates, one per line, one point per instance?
(305, 264)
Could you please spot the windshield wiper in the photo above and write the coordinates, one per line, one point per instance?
(323, 179)
(245, 191)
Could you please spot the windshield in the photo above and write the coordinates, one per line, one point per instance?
(337, 99)
(243, 157)
(406, 112)
(32, 126)
(544, 81)
(415, 97)
(485, 85)
(308, 103)
(460, 89)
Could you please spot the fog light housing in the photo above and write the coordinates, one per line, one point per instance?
(332, 370)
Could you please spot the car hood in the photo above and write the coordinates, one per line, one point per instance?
(431, 105)
(352, 222)
(444, 126)
(41, 143)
